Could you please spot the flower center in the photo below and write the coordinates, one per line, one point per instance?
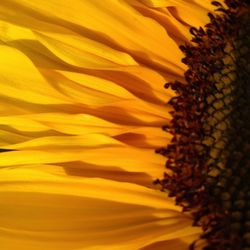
(208, 159)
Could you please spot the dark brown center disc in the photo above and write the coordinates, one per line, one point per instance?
(208, 160)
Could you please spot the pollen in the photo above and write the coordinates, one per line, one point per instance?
(208, 160)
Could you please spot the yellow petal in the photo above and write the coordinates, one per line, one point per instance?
(125, 158)
(182, 243)
(156, 3)
(24, 40)
(141, 81)
(26, 83)
(9, 137)
(72, 124)
(145, 137)
(83, 52)
(113, 23)
(87, 141)
(176, 29)
(87, 89)
(125, 215)
(192, 13)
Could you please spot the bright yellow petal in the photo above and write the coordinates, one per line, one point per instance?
(125, 158)
(87, 89)
(112, 22)
(83, 52)
(26, 83)
(41, 210)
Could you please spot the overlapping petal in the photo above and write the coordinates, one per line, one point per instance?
(113, 23)
(41, 210)
(81, 106)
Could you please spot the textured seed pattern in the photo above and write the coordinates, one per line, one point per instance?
(208, 160)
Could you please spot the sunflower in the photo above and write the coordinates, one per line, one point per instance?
(82, 107)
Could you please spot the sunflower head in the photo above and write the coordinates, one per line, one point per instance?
(82, 105)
